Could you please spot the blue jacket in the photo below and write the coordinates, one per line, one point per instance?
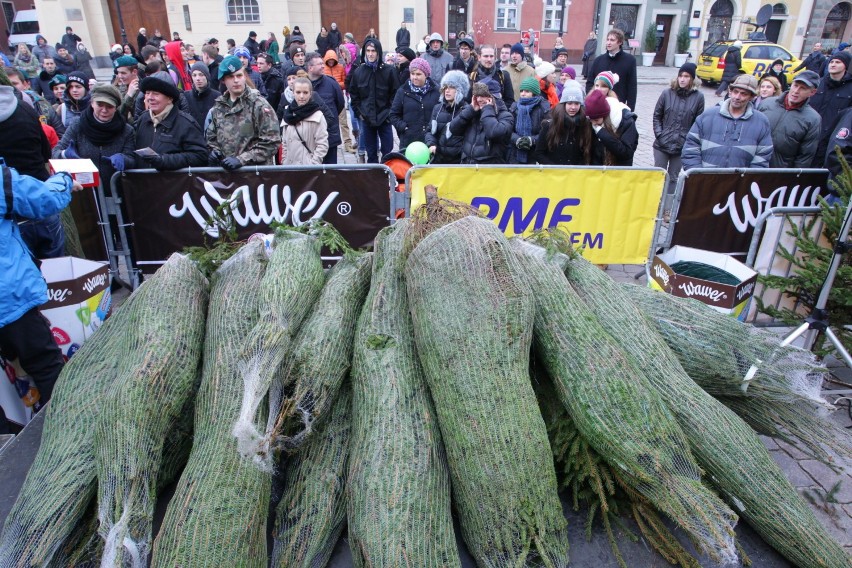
(718, 140)
(22, 286)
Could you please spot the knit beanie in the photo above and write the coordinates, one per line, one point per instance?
(421, 65)
(531, 84)
(294, 49)
(572, 92)
(199, 66)
(349, 36)
(242, 51)
(596, 105)
(517, 48)
(571, 72)
(843, 56)
(407, 52)
(77, 77)
(688, 68)
(608, 77)
(544, 69)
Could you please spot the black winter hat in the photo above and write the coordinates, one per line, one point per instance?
(688, 68)
(160, 82)
(407, 52)
(843, 56)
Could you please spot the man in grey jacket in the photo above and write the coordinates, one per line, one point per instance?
(439, 60)
(795, 125)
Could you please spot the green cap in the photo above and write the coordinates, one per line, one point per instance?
(230, 64)
(125, 61)
(530, 84)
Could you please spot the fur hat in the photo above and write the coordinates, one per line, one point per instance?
(531, 84)
(458, 80)
(596, 105)
(572, 92)
(517, 48)
(544, 69)
(421, 65)
(160, 82)
(107, 94)
(608, 77)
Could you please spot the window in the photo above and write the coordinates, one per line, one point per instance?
(779, 9)
(552, 15)
(241, 11)
(623, 17)
(9, 13)
(507, 15)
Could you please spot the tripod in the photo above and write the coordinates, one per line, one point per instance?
(818, 320)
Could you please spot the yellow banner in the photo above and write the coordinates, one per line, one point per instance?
(610, 212)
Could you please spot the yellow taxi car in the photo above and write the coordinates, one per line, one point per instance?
(757, 58)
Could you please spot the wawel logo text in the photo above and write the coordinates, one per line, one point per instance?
(57, 294)
(94, 282)
(689, 289)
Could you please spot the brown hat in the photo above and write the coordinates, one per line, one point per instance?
(746, 83)
(294, 49)
(106, 94)
(480, 90)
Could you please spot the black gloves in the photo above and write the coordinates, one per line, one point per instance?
(231, 163)
(523, 143)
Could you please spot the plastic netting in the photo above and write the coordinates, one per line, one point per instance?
(43, 524)
(473, 318)
(217, 516)
(736, 461)
(615, 408)
(291, 284)
(312, 511)
(717, 351)
(321, 353)
(398, 490)
(158, 373)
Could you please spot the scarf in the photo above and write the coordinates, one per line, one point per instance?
(523, 122)
(294, 114)
(420, 90)
(100, 133)
(156, 119)
(373, 64)
(790, 106)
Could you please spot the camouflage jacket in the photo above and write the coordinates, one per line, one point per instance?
(246, 128)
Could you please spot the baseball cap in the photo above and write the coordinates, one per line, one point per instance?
(809, 78)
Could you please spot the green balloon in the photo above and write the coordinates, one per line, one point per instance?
(417, 153)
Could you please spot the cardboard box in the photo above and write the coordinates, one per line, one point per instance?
(79, 300)
(83, 171)
(722, 297)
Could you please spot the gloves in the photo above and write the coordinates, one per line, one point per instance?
(231, 163)
(71, 152)
(523, 143)
(155, 162)
(216, 158)
(117, 161)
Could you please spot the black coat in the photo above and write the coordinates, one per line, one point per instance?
(411, 113)
(486, 133)
(622, 145)
(334, 39)
(568, 152)
(403, 37)
(42, 85)
(141, 41)
(813, 62)
(499, 75)
(275, 85)
(466, 68)
(200, 103)
(538, 113)
(831, 99)
(24, 145)
(625, 65)
(781, 77)
(323, 44)
(372, 89)
(674, 114)
(330, 92)
(252, 46)
(178, 140)
(66, 66)
(841, 137)
(139, 107)
(448, 146)
(733, 62)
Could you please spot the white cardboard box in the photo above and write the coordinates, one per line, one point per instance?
(82, 170)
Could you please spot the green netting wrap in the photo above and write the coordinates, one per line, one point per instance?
(291, 284)
(61, 482)
(321, 353)
(398, 490)
(312, 511)
(727, 449)
(218, 514)
(473, 317)
(717, 351)
(616, 409)
(157, 374)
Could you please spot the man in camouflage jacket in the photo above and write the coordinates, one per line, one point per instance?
(243, 127)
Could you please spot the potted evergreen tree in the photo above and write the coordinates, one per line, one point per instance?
(681, 54)
(649, 45)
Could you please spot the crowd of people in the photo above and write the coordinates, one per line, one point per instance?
(169, 107)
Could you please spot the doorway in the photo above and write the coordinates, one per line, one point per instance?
(456, 22)
(148, 14)
(773, 30)
(354, 17)
(664, 29)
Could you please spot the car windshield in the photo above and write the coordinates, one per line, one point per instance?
(25, 27)
(716, 50)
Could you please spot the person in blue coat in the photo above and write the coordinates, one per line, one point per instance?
(24, 333)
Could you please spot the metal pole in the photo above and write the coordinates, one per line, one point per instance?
(120, 21)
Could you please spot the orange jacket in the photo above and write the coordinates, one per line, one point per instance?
(549, 90)
(333, 69)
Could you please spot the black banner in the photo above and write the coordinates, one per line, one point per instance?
(84, 209)
(718, 211)
(171, 210)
